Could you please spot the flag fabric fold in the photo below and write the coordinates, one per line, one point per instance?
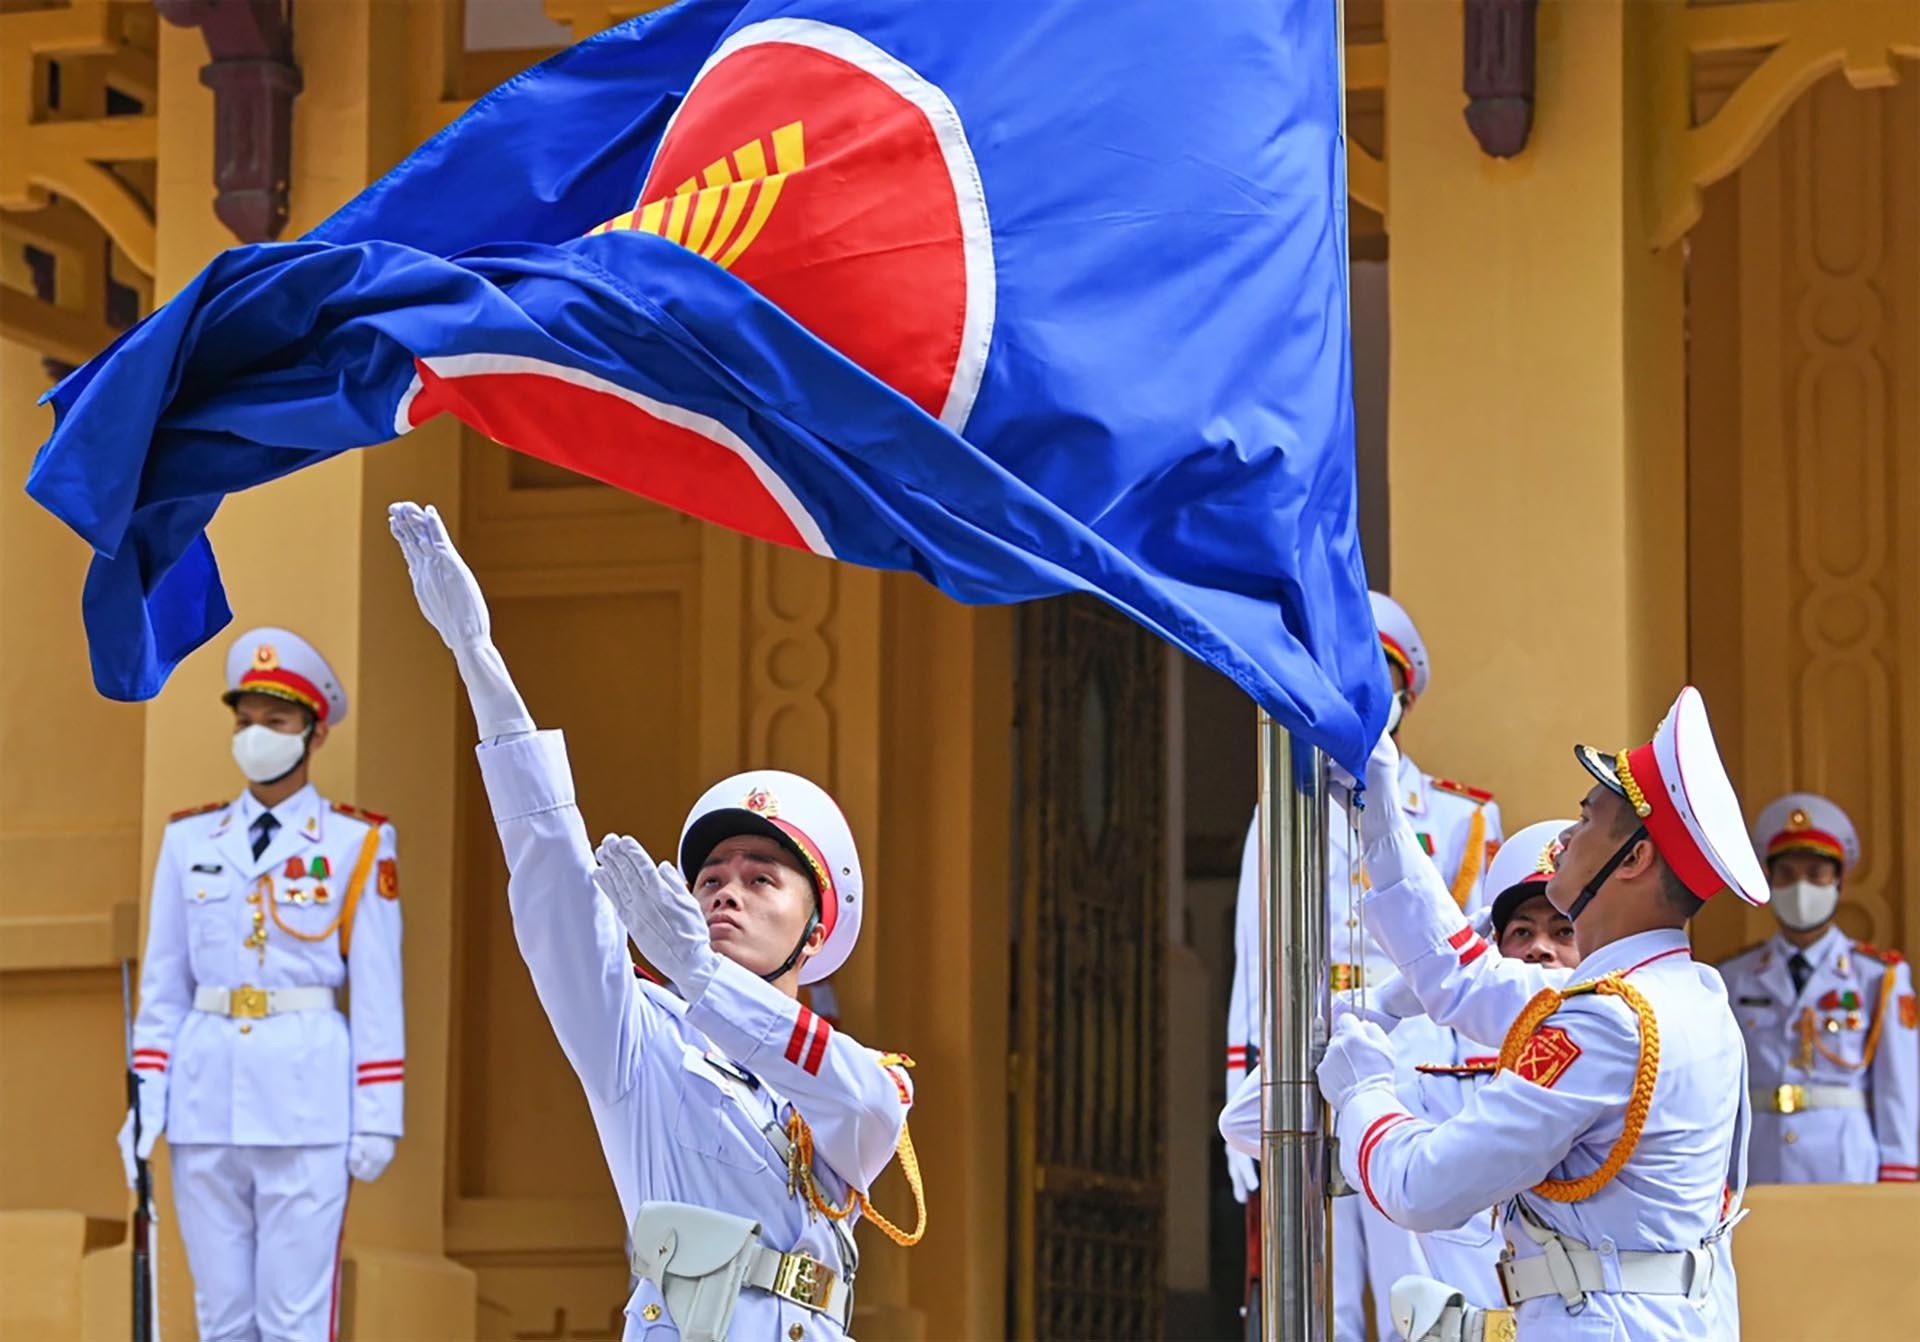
(1025, 299)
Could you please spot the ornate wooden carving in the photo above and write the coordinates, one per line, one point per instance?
(254, 81)
(1499, 73)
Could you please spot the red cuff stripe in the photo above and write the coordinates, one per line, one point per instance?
(1460, 938)
(1473, 952)
(160, 1053)
(1378, 1130)
(819, 1049)
(146, 1065)
(388, 1062)
(380, 1078)
(802, 1027)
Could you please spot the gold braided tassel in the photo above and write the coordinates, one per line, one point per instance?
(1639, 1100)
(1471, 859)
(800, 1176)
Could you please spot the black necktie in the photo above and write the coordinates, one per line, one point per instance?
(263, 829)
(1799, 966)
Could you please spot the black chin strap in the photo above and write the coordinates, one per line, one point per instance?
(813, 921)
(1592, 887)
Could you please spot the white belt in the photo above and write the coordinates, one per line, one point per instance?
(1791, 1099)
(250, 1003)
(1571, 1270)
(803, 1280)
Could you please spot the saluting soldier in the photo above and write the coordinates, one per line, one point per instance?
(1459, 828)
(1830, 1022)
(1614, 1133)
(741, 1129)
(263, 909)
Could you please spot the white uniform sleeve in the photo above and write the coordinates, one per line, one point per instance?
(568, 932)
(854, 1105)
(378, 1025)
(166, 982)
(1243, 998)
(1511, 1134)
(1896, 1084)
(1240, 1120)
(1457, 975)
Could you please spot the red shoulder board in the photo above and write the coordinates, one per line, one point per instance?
(1875, 953)
(371, 817)
(640, 971)
(1476, 794)
(193, 811)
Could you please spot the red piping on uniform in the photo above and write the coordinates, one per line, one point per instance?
(1375, 1132)
(1473, 952)
(802, 1028)
(819, 1049)
(333, 1309)
(1677, 950)
(1461, 938)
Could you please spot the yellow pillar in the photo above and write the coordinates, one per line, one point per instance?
(311, 552)
(1537, 422)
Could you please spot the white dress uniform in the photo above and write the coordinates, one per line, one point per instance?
(1614, 1133)
(690, 1101)
(1459, 827)
(243, 1054)
(1835, 1053)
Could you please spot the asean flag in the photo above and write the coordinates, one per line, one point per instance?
(1029, 299)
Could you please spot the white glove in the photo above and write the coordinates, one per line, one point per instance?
(1391, 1001)
(1358, 1056)
(659, 913)
(149, 1134)
(1244, 1170)
(451, 599)
(1383, 791)
(368, 1154)
(1374, 1010)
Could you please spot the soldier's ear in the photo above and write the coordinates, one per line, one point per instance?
(319, 737)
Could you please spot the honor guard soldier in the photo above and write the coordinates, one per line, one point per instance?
(1459, 828)
(741, 1129)
(1829, 1021)
(264, 908)
(1613, 1135)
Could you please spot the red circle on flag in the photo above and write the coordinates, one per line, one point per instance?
(863, 242)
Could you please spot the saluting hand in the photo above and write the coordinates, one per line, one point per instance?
(658, 912)
(450, 598)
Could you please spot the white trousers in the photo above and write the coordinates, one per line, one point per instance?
(262, 1230)
(1369, 1253)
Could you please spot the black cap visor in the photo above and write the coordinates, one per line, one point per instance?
(715, 827)
(1600, 764)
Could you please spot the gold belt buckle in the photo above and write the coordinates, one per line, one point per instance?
(247, 1003)
(1497, 1326)
(1347, 976)
(1789, 1099)
(804, 1281)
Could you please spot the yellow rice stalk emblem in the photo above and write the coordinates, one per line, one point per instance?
(705, 214)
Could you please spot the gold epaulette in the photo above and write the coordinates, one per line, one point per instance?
(193, 811)
(1479, 796)
(355, 813)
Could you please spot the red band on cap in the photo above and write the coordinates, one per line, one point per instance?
(1815, 841)
(1671, 837)
(285, 684)
(822, 873)
(1397, 655)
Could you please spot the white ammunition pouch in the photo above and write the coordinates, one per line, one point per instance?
(1425, 1310)
(1571, 1270)
(701, 1260)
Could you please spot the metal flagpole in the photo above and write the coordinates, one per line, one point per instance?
(1296, 1263)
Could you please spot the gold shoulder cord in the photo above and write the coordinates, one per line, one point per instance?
(342, 921)
(1471, 859)
(800, 1175)
(1639, 1101)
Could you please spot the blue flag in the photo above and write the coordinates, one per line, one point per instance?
(1026, 298)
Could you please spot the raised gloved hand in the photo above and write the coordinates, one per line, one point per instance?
(1375, 1010)
(149, 1134)
(1359, 1056)
(450, 598)
(1244, 1170)
(368, 1155)
(1382, 810)
(659, 913)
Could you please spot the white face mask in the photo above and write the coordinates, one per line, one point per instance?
(1803, 906)
(265, 755)
(1395, 710)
